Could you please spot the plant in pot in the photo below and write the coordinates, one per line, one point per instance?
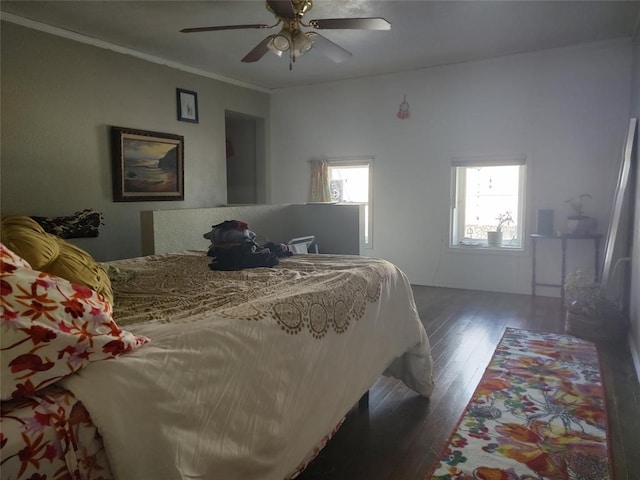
(590, 313)
(580, 224)
(495, 237)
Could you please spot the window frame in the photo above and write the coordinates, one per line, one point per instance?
(353, 162)
(457, 208)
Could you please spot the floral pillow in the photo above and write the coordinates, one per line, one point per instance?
(9, 261)
(51, 328)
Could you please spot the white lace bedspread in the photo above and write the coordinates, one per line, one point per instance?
(246, 371)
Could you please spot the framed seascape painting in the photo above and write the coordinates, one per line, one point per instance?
(147, 166)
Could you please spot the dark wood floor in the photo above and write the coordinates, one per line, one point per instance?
(403, 433)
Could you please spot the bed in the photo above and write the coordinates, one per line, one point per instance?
(217, 374)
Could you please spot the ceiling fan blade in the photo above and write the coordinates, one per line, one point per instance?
(224, 27)
(282, 8)
(331, 50)
(375, 23)
(258, 51)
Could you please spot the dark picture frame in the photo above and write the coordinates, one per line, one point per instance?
(147, 166)
(187, 103)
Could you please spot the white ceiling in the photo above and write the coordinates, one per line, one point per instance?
(423, 33)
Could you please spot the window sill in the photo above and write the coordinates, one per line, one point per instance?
(487, 249)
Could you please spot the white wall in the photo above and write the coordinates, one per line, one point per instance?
(567, 109)
(634, 335)
(59, 98)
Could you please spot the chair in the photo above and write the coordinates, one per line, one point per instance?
(303, 244)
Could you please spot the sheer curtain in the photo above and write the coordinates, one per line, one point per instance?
(320, 191)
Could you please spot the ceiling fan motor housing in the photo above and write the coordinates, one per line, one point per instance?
(289, 9)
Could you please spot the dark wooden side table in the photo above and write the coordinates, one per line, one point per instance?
(564, 239)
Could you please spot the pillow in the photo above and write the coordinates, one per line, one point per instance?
(9, 261)
(47, 253)
(77, 266)
(28, 240)
(51, 328)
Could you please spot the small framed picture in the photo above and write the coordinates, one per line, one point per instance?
(187, 105)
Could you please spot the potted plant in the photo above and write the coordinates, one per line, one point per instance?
(590, 313)
(495, 237)
(580, 224)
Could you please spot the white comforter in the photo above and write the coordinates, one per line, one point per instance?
(247, 389)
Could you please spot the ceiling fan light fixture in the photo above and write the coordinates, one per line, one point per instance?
(276, 51)
(272, 48)
(301, 43)
(296, 42)
(282, 41)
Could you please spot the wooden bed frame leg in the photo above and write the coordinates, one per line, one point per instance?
(363, 403)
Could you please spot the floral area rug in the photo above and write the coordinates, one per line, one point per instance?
(538, 413)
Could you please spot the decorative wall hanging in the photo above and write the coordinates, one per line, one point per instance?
(187, 105)
(85, 223)
(403, 111)
(147, 166)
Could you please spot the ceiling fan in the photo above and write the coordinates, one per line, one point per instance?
(293, 38)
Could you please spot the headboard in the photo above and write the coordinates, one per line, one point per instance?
(337, 228)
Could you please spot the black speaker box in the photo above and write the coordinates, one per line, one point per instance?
(545, 222)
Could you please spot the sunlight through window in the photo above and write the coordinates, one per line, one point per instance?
(350, 183)
(488, 202)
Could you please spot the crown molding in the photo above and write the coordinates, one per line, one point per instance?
(77, 37)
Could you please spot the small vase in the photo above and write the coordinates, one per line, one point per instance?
(580, 225)
(494, 239)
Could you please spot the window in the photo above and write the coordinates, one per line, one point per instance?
(350, 182)
(485, 190)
